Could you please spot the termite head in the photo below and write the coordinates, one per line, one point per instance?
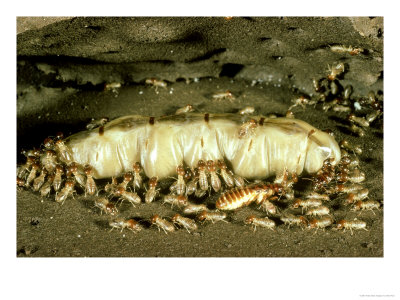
(48, 143)
(188, 175)
(59, 135)
(133, 224)
(119, 191)
(313, 223)
(111, 209)
(350, 198)
(69, 183)
(303, 220)
(228, 94)
(341, 224)
(136, 167)
(201, 165)
(153, 182)
(35, 166)
(278, 188)
(290, 114)
(221, 164)
(211, 166)
(175, 218)
(128, 176)
(358, 205)
(20, 181)
(249, 219)
(202, 216)
(182, 200)
(180, 170)
(296, 203)
(154, 219)
(73, 168)
(88, 170)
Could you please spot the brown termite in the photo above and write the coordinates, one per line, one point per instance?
(191, 186)
(357, 130)
(90, 186)
(137, 178)
(203, 180)
(187, 223)
(351, 161)
(49, 160)
(105, 206)
(248, 110)
(314, 195)
(318, 211)
(223, 95)
(97, 123)
(356, 196)
(347, 188)
(238, 180)
(321, 223)
(346, 49)
(35, 152)
(64, 153)
(46, 187)
(176, 200)
(185, 109)
(290, 114)
(127, 178)
(346, 145)
(213, 216)
(335, 71)
(214, 179)
(130, 224)
(302, 101)
(226, 176)
(39, 181)
(193, 209)
(179, 186)
(306, 203)
(268, 207)
(163, 224)
(262, 222)
(290, 219)
(156, 83)
(67, 190)
(20, 182)
(341, 108)
(32, 174)
(24, 169)
(131, 197)
(110, 187)
(48, 143)
(351, 224)
(366, 205)
(356, 176)
(247, 129)
(358, 120)
(73, 168)
(152, 192)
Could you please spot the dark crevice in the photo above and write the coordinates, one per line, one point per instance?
(230, 70)
(207, 55)
(263, 39)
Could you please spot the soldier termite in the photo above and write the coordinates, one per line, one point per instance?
(351, 224)
(358, 120)
(321, 223)
(290, 219)
(346, 145)
(46, 187)
(176, 200)
(163, 224)
(127, 178)
(73, 168)
(137, 178)
(133, 198)
(49, 160)
(90, 186)
(213, 216)
(359, 195)
(130, 224)
(185, 109)
(67, 190)
(226, 176)
(193, 209)
(97, 123)
(262, 222)
(188, 224)
(39, 181)
(105, 206)
(366, 205)
(357, 130)
(32, 174)
(248, 110)
(306, 203)
(247, 129)
(156, 83)
(179, 186)
(223, 95)
(203, 180)
(214, 179)
(335, 71)
(318, 211)
(152, 192)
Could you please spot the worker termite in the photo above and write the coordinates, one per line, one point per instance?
(366, 205)
(46, 187)
(351, 224)
(176, 200)
(188, 224)
(73, 168)
(63, 152)
(314, 195)
(152, 192)
(39, 181)
(238, 180)
(67, 190)
(357, 130)
(131, 197)
(163, 224)
(358, 120)
(130, 224)
(90, 186)
(156, 83)
(341, 108)
(192, 209)
(335, 71)
(348, 90)
(321, 223)
(185, 109)
(262, 222)
(105, 206)
(247, 129)
(346, 49)
(213, 216)
(302, 101)
(372, 116)
(226, 176)
(20, 182)
(268, 207)
(24, 169)
(203, 181)
(359, 195)
(318, 211)
(329, 105)
(49, 160)
(223, 95)
(214, 179)
(356, 176)
(48, 143)
(97, 123)
(110, 187)
(346, 145)
(290, 219)
(137, 178)
(248, 110)
(179, 186)
(32, 174)
(127, 178)
(306, 203)
(191, 186)
(347, 188)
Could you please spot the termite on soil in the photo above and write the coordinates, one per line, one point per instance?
(335, 71)
(73, 168)
(127, 178)
(90, 186)
(32, 174)
(130, 224)
(176, 200)
(185, 109)
(152, 192)
(179, 186)
(321, 223)
(163, 224)
(306, 203)
(192, 209)
(105, 206)
(262, 222)
(248, 110)
(188, 224)
(366, 205)
(358, 120)
(131, 197)
(318, 211)
(223, 95)
(359, 195)
(137, 178)
(354, 148)
(39, 181)
(46, 187)
(290, 219)
(213, 216)
(67, 190)
(351, 224)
